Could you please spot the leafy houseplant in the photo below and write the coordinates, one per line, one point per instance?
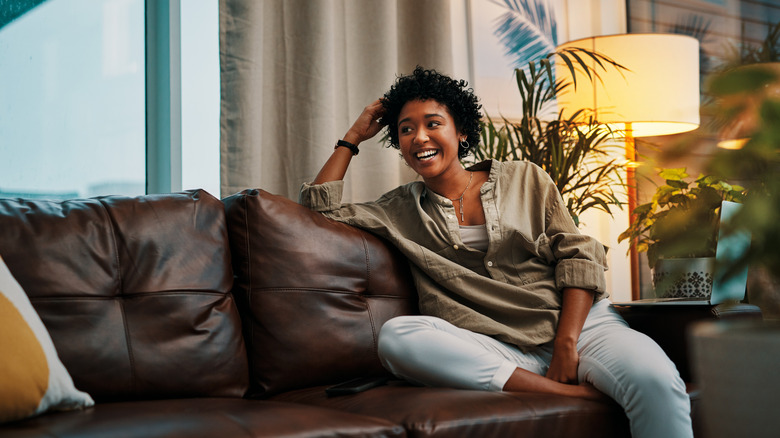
(750, 92)
(754, 91)
(573, 150)
(681, 220)
(732, 99)
(745, 94)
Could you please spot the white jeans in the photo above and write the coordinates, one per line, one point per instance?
(620, 362)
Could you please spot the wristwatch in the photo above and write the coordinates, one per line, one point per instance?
(349, 145)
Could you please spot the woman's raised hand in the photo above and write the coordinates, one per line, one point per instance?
(367, 124)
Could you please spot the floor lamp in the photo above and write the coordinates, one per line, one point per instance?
(658, 94)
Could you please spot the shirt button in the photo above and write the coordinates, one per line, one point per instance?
(490, 263)
(455, 247)
(450, 216)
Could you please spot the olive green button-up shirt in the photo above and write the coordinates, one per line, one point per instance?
(513, 290)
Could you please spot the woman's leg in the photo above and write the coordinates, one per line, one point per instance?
(522, 381)
(430, 351)
(633, 370)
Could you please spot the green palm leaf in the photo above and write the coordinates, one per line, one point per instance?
(527, 30)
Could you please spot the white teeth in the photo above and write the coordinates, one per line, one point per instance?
(426, 154)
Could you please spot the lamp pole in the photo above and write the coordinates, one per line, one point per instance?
(631, 191)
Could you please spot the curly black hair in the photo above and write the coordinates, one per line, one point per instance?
(424, 84)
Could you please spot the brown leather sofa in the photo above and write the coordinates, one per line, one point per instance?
(183, 315)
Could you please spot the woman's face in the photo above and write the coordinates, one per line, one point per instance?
(428, 138)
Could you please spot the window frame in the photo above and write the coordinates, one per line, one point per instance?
(163, 96)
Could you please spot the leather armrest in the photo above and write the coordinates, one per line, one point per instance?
(668, 325)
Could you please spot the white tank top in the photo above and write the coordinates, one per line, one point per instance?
(475, 236)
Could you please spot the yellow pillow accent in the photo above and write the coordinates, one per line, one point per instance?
(24, 375)
(32, 377)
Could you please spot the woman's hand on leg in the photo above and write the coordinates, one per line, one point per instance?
(564, 363)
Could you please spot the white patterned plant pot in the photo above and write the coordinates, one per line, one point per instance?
(684, 277)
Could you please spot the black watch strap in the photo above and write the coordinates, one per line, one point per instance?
(349, 145)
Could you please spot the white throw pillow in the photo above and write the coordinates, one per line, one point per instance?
(32, 377)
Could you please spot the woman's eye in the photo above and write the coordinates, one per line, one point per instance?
(405, 129)
(433, 124)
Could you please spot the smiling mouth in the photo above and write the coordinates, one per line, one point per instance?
(426, 155)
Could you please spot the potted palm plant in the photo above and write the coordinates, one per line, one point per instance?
(678, 230)
(573, 150)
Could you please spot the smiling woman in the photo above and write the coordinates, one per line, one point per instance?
(428, 138)
(512, 296)
(464, 108)
(430, 143)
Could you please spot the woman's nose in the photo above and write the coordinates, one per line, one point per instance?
(421, 136)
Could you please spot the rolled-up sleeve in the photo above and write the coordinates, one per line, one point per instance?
(581, 262)
(322, 197)
(581, 273)
(580, 259)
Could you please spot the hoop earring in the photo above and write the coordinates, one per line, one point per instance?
(403, 160)
(464, 148)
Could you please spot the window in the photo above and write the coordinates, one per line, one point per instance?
(72, 97)
(72, 100)
(200, 94)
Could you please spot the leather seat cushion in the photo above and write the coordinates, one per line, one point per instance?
(203, 417)
(445, 413)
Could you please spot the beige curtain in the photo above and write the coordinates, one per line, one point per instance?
(296, 73)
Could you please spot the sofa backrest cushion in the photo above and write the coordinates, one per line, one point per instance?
(313, 292)
(135, 292)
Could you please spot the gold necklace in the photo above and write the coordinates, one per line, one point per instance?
(460, 199)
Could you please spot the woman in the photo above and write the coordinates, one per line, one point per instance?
(511, 294)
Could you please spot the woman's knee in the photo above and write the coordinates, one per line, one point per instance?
(660, 376)
(394, 334)
(653, 378)
(634, 362)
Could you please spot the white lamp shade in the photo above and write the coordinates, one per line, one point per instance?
(658, 94)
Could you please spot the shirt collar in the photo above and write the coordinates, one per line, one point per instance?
(493, 166)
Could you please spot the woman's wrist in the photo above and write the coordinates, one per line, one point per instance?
(347, 145)
(352, 138)
(563, 341)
